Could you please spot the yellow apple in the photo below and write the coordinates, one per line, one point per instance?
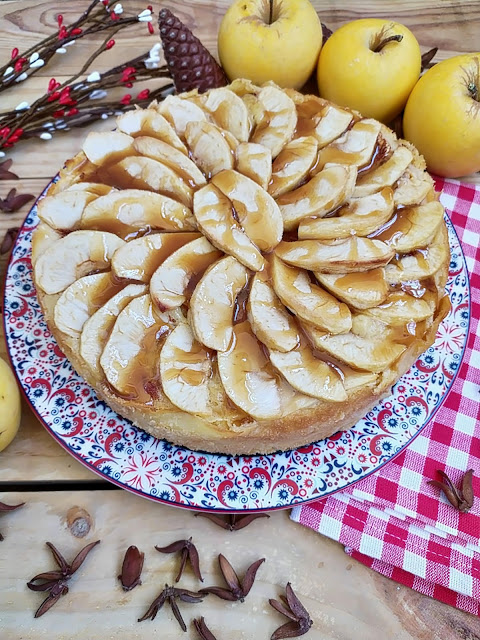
(370, 65)
(442, 116)
(275, 40)
(10, 405)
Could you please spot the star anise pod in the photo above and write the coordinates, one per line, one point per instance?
(170, 594)
(14, 202)
(237, 589)
(202, 629)
(5, 173)
(9, 239)
(131, 568)
(462, 499)
(232, 521)
(55, 582)
(4, 508)
(326, 32)
(188, 552)
(427, 58)
(291, 607)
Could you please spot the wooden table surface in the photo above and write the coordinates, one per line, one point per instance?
(346, 600)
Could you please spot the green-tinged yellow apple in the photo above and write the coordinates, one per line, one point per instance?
(442, 116)
(370, 65)
(275, 40)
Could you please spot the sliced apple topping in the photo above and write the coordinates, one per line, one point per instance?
(81, 299)
(139, 258)
(170, 282)
(63, 210)
(421, 263)
(95, 188)
(185, 371)
(279, 119)
(209, 148)
(355, 147)
(74, 256)
(97, 327)
(308, 374)
(309, 301)
(331, 124)
(292, 165)
(345, 256)
(149, 122)
(213, 301)
(150, 175)
(229, 112)
(414, 227)
(107, 147)
(133, 210)
(173, 158)
(256, 210)
(355, 351)
(131, 357)
(179, 112)
(255, 162)
(214, 215)
(353, 379)
(360, 290)
(385, 175)
(361, 216)
(412, 187)
(270, 321)
(401, 309)
(42, 238)
(322, 194)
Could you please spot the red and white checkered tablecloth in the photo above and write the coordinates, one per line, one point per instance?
(393, 521)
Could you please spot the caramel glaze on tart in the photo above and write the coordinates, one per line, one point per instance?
(242, 271)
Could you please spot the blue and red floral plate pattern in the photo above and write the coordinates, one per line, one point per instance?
(109, 445)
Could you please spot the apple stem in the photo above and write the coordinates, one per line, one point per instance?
(382, 43)
(473, 91)
(270, 17)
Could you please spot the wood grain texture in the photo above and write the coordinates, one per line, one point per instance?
(345, 599)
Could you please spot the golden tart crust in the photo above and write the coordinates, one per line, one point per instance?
(243, 271)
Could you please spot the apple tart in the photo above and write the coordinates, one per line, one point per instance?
(245, 270)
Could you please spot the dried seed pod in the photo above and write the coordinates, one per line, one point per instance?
(131, 568)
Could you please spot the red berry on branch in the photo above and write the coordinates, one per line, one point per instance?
(62, 33)
(110, 44)
(58, 114)
(52, 85)
(76, 31)
(14, 53)
(114, 16)
(143, 95)
(151, 30)
(126, 99)
(72, 112)
(60, 20)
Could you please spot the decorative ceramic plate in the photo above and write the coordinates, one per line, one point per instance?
(119, 452)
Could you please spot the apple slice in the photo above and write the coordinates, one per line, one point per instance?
(255, 162)
(401, 309)
(131, 210)
(414, 227)
(270, 321)
(345, 256)
(74, 256)
(213, 212)
(361, 216)
(353, 379)
(229, 112)
(209, 148)
(308, 374)
(307, 300)
(97, 327)
(150, 175)
(81, 299)
(42, 238)
(332, 124)
(170, 282)
(107, 147)
(355, 147)
(412, 187)
(422, 263)
(292, 165)
(186, 371)
(179, 112)
(385, 175)
(213, 302)
(278, 122)
(360, 290)
(63, 210)
(325, 192)
(355, 351)
(256, 210)
(148, 122)
(173, 158)
(138, 259)
(95, 188)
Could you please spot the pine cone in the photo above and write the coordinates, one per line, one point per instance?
(191, 65)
